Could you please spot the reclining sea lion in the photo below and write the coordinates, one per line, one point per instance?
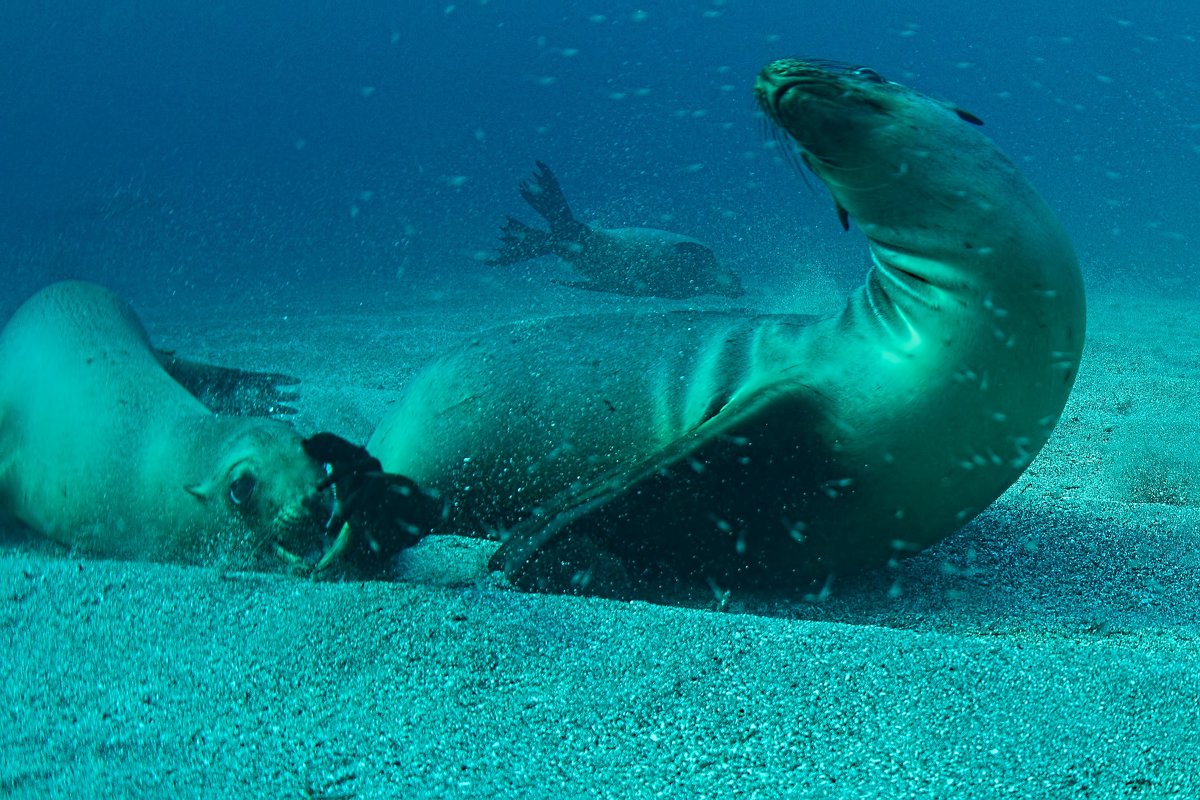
(102, 449)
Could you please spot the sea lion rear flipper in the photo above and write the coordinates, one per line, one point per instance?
(228, 390)
(519, 242)
(545, 196)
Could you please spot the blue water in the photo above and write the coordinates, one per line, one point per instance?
(165, 146)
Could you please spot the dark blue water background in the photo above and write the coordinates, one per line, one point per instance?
(191, 146)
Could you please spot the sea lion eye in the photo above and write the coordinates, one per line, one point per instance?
(868, 74)
(242, 489)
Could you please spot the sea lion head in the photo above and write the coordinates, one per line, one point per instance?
(263, 485)
(869, 139)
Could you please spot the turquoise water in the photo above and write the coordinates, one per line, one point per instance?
(284, 143)
(313, 188)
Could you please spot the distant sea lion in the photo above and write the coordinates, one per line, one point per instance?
(630, 261)
(620, 454)
(102, 449)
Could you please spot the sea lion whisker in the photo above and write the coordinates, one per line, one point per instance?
(336, 550)
(786, 149)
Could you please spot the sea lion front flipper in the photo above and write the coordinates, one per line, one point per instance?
(228, 390)
(574, 546)
(684, 516)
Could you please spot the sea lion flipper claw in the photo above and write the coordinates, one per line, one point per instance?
(228, 390)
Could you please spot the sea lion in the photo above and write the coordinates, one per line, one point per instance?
(629, 261)
(626, 454)
(101, 449)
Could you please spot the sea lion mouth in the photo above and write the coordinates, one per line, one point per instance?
(364, 516)
(828, 119)
(320, 560)
(302, 535)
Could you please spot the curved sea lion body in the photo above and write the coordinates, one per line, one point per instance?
(630, 261)
(100, 448)
(777, 449)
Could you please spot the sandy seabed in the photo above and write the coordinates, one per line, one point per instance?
(1049, 649)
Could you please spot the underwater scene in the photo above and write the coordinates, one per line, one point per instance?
(731, 399)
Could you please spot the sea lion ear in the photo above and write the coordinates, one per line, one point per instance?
(200, 491)
(967, 115)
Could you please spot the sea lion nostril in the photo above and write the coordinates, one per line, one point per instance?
(869, 74)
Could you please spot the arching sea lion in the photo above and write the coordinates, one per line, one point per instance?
(630, 261)
(102, 449)
(776, 449)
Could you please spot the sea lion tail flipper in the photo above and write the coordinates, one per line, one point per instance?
(545, 196)
(227, 390)
(519, 242)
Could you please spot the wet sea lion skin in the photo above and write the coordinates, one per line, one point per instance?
(617, 454)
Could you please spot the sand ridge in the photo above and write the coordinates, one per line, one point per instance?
(1049, 649)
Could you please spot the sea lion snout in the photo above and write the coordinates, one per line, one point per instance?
(266, 481)
(827, 107)
(777, 80)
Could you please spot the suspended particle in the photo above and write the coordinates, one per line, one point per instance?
(796, 530)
